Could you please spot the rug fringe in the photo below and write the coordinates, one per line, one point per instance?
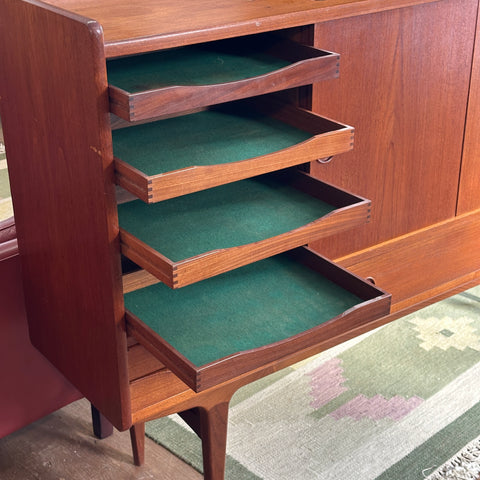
(465, 465)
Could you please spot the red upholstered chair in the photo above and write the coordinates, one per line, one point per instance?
(30, 386)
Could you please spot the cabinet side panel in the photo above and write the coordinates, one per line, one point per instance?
(54, 109)
(469, 188)
(403, 85)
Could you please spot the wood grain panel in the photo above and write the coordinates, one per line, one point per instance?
(141, 363)
(404, 87)
(55, 118)
(423, 264)
(133, 26)
(469, 187)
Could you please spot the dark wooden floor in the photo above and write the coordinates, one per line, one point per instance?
(62, 447)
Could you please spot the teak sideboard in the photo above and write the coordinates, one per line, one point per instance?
(208, 192)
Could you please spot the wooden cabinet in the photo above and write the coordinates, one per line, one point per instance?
(215, 189)
(63, 175)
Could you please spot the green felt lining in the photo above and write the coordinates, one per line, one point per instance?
(227, 216)
(247, 308)
(211, 137)
(207, 64)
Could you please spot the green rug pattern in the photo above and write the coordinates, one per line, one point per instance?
(395, 404)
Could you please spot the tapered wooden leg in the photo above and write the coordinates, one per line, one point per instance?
(137, 436)
(102, 428)
(213, 432)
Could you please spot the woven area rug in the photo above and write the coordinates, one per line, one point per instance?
(399, 403)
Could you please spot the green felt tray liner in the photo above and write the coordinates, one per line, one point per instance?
(227, 216)
(207, 64)
(205, 138)
(256, 305)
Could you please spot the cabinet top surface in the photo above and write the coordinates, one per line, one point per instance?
(131, 26)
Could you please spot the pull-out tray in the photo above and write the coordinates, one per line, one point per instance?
(231, 142)
(196, 236)
(216, 330)
(172, 81)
